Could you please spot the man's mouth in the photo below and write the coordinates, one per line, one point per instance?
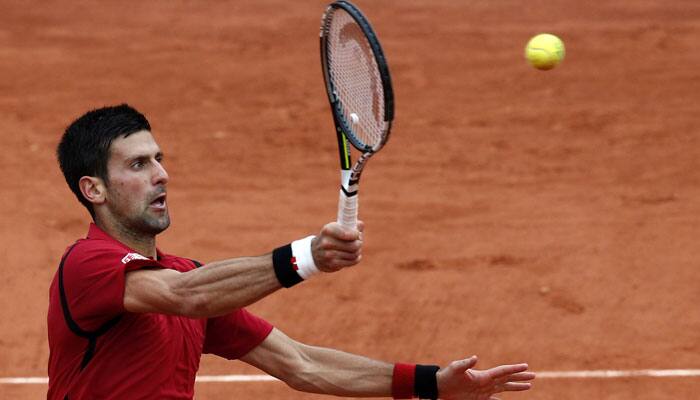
(159, 202)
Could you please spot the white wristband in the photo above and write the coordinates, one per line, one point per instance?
(304, 260)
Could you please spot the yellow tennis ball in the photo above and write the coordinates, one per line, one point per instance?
(544, 51)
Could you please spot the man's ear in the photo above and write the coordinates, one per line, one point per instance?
(93, 189)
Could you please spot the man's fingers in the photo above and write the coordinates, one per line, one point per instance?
(337, 231)
(339, 264)
(333, 255)
(330, 260)
(337, 259)
(337, 247)
(336, 237)
(522, 376)
(517, 377)
(461, 366)
(513, 387)
(505, 370)
(329, 243)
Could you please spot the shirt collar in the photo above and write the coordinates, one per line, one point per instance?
(95, 232)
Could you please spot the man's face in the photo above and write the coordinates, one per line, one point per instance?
(135, 193)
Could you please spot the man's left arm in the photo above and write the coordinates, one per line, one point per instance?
(321, 370)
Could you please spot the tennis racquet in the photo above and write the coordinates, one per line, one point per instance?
(360, 94)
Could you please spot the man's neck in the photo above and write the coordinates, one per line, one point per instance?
(144, 244)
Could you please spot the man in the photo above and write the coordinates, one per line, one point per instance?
(127, 321)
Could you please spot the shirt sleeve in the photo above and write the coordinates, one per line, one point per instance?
(94, 276)
(235, 334)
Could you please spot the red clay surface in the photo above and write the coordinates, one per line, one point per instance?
(548, 217)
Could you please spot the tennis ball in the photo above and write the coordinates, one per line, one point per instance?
(544, 51)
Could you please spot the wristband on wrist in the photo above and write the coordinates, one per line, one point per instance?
(303, 258)
(403, 381)
(426, 381)
(294, 262)
(411, 380)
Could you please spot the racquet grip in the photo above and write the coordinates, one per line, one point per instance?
(347, 210)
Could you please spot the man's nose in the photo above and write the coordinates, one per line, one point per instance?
(161, 175)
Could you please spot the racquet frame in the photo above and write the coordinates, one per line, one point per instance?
(350, 175)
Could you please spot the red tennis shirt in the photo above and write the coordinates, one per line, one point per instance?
(98, 350)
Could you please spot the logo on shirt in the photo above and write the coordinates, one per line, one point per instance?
(133, 256)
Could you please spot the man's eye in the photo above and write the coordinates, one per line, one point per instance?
(137, 164)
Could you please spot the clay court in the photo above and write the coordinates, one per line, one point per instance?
(547, 217)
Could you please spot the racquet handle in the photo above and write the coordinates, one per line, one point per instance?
(347, 210)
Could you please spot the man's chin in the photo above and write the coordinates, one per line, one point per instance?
(155, 226)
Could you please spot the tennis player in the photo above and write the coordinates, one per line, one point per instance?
(129, 321)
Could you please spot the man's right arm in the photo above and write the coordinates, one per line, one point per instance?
(222, 286)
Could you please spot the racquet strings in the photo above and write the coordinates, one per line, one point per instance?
(356, 79)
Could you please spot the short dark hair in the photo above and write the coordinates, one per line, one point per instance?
(84, 147)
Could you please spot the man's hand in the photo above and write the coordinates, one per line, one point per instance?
(337, 247)
(458, 381)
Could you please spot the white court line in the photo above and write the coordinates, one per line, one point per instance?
(24, 381)
(653, 373)
(639, 373)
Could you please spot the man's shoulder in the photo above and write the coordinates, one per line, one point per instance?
(86, 250)
(181, 264)
(96, 252)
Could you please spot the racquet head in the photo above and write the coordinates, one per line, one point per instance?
(357, 77)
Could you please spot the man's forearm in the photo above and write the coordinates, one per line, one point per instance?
(342, 374)
(219, 287)
(321, 370)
